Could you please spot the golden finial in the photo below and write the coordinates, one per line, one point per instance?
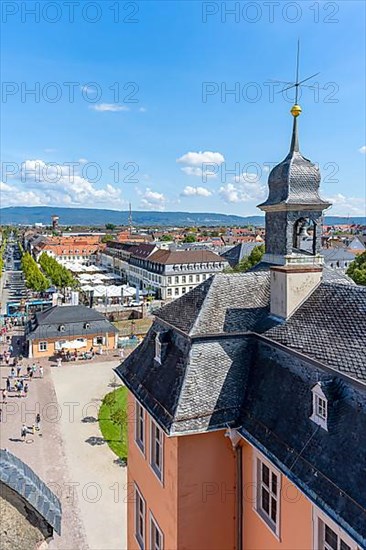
(296, 110)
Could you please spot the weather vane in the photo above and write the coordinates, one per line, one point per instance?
(296, 109)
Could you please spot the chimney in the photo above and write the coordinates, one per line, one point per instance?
(291, 285)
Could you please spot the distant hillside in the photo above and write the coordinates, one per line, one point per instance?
(23, 215)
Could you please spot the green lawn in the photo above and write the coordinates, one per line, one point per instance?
(112, 402)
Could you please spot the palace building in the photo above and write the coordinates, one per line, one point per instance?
(249, 396)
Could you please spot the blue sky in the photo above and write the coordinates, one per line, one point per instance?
(173, 64)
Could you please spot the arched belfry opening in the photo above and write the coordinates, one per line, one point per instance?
(304, 236)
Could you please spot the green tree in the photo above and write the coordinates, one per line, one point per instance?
(248, 262)
(107, 238)
(119, 417)
(166, 238)
(357, 270)
(189, 239)
(110, 226)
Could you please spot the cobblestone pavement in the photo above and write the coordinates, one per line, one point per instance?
(60, 453)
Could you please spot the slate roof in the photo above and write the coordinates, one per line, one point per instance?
(328, 466)
(21, 478)
(238, 252)
(295, 180)
(170, 257)
(77, 320)
(224, 303)
(329, 326)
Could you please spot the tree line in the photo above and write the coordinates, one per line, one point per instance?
(34, 278)
(57, 273)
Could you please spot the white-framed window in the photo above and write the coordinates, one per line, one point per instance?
(190, 278)
(169, 280)
(320, 407)
(157, 348)
(197, 278)
(156, 535)
(184, 278)
(140, 426)
(184, 290)
(176, 291)
(99, 341)
(42, 346)
(176, 279)
(268, 489)
(169, 292)
(328, 535)
(204, 277)
(156, 449)
(139, 518)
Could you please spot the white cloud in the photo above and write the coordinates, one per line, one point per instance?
(190, 191)
(142, 109)
(245, 188)
(342, 205)
(203, 164)
(83, 161)
(152, 200)
(39, 183)
(363, 149)
(111, 107)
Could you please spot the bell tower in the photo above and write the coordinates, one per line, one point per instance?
(294, 208)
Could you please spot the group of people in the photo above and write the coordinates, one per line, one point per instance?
(35, 427)
(17, 382)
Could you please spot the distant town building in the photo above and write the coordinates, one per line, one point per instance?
(69, 328)
(169, 274)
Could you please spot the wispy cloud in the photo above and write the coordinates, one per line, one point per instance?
(363, 149)
(109, 107)
(201, 164)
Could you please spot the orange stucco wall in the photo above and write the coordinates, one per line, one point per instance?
(160, 498)
(51, 345)
(295, 514)
(206, 482)
(195, 506)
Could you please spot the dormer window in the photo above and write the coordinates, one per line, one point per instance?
(320, 407)
(158, 348)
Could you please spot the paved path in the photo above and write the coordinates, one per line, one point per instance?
(70, 455)
(44, 451)
(101, 483)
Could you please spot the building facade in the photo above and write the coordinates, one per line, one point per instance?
(69, 328)
(169, 274)
(249, 414)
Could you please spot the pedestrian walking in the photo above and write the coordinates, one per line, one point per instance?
(1, 414)
(19, 371)
(28, 370)
(26, 389)
(8, 385)
(40, 371)
(19, 388)
(7, 359)
(122, 353)
(4, 395)
(59, 361)
(30, 374)
(33, 429)
(23, 432)
(38, 421)
(11, 349)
